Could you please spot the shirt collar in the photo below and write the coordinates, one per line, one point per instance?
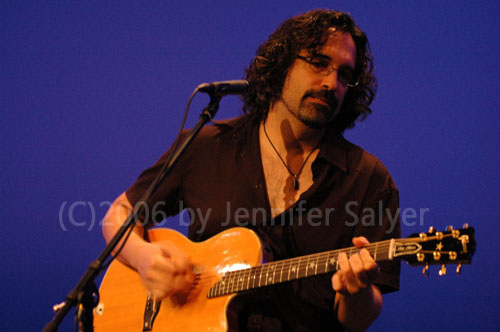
(334, 149)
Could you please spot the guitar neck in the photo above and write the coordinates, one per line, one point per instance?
(294, 268)
(455, 246)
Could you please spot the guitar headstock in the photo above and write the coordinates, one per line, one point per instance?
(453, 246)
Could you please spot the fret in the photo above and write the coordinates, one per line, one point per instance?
(276, 270)
(234, 280)
(214, 289)
(218, 287)
(247, 279)
(281, 270)
(269, 270)
(298, 268)
(329, 263)
(307, 266)
(316, 265)
(375, 253)
(267, 273)
(223, 284)
(253, 276)
(270, 279)
(230, 283)
(241, 283)
(260, 275)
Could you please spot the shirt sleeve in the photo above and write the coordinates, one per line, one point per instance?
(166, 200)
(382, 214)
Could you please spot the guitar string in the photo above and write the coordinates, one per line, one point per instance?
(301, 262)
(243, 276)
(379, 247)
(374, 248)
(236, 280)
(240, 280)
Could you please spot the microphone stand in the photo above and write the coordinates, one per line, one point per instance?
(85, 295)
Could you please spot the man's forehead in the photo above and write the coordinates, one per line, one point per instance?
(336, 39)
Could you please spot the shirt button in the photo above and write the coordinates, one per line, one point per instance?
(258, 186)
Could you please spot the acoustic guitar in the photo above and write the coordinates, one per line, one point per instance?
(230, 263)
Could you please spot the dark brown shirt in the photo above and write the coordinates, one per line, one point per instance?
(220, 181)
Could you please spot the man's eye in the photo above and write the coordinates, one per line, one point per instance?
(347, 75)
(319, 64)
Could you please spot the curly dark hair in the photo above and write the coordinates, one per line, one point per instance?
(310, 31)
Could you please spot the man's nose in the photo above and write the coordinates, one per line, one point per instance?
(331, 80)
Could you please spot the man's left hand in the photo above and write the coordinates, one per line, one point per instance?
(357, 273)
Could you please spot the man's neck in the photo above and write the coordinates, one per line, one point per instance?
(287, 132)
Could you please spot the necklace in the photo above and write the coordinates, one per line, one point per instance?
(295, 176)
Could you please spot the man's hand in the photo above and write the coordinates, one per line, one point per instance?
(357, 273)
(357, 301)
(164, 269)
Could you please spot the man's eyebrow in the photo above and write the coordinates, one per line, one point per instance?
(326, 57)
(320, 55)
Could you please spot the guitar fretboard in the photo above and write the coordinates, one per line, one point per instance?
(290, 269)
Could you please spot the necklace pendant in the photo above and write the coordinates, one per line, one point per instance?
(295, 183)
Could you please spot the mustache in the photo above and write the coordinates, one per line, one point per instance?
(326, 95)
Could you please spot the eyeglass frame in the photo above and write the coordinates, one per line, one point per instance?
(328, 70)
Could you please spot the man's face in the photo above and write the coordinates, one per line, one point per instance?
(316, 97)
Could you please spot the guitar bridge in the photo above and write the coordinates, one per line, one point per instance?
(150, 312)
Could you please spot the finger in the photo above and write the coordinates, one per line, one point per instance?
(371, 267)
(349, 277)
(338, 283)
(160, 280)
(361, 278)
(156, 268)
(360, 241)
(180, 259)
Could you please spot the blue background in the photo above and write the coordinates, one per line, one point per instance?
(93, 92)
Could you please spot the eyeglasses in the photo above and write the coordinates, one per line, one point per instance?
(321, 66)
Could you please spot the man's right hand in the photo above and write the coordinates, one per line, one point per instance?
(165, 270)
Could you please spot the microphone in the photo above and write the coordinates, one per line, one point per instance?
(223, 88)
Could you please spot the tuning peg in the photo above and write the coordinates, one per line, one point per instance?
(459, 268)
(431, 230)
(449, 228)
(442, 270)
(425, 271)
(420, 257)
(466, 225)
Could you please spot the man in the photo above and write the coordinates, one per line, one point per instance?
(304, 188)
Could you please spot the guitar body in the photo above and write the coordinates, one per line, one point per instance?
(123, 296)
